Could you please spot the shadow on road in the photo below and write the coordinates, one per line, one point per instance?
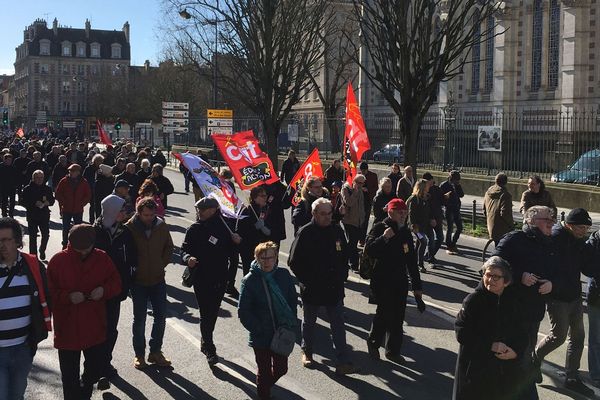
(128, 389)
(176, 385)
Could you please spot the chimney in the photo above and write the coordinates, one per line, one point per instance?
(146, 65)
(126, 30)
(88, 26)
(55, 27)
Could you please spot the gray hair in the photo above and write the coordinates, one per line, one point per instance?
(533, 211)
(500, 264)
(319, 201)
(145, 163)
(98, 157)
(383, 181)
(359, 176)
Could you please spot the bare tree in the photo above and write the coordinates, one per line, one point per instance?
(412, 46)
(265, 49)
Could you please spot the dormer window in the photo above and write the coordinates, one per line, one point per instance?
(115, 50)
(80, 49)
(95, 50)
(44, 47)
(66, 49)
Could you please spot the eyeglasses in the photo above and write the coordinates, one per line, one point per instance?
(267, 258)
(493, 277)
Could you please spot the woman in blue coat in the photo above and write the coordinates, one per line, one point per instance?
(254, 313)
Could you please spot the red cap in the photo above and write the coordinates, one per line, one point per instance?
(396, 204)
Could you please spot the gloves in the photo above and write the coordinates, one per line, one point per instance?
(259, 224)
(265, 230)
(420, 304)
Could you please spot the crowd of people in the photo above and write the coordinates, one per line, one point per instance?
(125, 245)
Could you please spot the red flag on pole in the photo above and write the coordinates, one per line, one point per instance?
(312, 166)
(249, 165)
(20, 133)
(104, 138)
(356, 141)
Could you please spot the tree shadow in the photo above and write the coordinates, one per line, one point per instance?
(177, 209)
(176, 385)
(177, 228)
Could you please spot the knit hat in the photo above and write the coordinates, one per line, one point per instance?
(206, 203)
(427, 176)
(111, 206)
(579, 216)
(122, 183)
(337, 184)
(396, 204)
(82, 236)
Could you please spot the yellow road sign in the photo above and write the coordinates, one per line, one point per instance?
(219, 113)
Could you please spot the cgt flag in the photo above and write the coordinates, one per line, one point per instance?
(104, 138)
(312, 166)
(356, 141)
(249, 165)
(211, 184)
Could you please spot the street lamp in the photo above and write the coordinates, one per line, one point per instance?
(449, 121)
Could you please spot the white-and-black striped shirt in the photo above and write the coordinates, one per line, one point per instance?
(15, 305)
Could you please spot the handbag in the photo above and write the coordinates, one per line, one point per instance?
(189, 276)
(283, 339)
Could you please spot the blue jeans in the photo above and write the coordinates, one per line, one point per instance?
(15, 364)
(453, 218)
(335, 313)
(157, 295)
(594, 341)
(66, 224)
(435, 235)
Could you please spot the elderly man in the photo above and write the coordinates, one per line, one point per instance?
(37, 198)
(319, 259)
(353, 199)
(497, 207)
(565, 307)
(25, 316)
(72, 193)
(405, 184)
(533, 260)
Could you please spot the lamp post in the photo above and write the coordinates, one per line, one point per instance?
(449, 122)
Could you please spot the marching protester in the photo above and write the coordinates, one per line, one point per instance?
(452, 192)
(435, 231)
(132, 179)
(164, 185)
(25, 317)
(149, 189)
(395, 176)
(337, 202)
(81, 280)
(353, 200)
(37, 164)
(405, 184)
(335, 173)
(497, 208)
(89, 174)
(37, 198)
(145, 170)
(253, 227)
(390, 242)
(73, 194)
(187, 178)
(159, 158)
(117, 241)
(289, 168)
(490, 330)
(537, 195)
(311, 191)
(370, 190)
(60, 170)
(319, 259)
(20, 164)
(105, 184)
(122, 189)
(155, 247)
(419, 219)
(384, 195)
(206, 250)
(10, 178)
(268, 301)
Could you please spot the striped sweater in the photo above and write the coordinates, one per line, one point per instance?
(15, 305)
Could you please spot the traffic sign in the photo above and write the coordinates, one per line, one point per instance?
(220, 130)
(175, 114)
(219, 113)
(68, 124)
(175, 122)
(173, 129)
(220, 122)
(175, 106)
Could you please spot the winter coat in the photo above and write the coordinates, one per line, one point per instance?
(144, 174)
(89, 173)
(404, 188)
(277, 201)
(396, 261)
(251, 236)
(59, 172)
(133, 180)
(155, 248)
(319, 259)
(435, 201)
(20, 164)
(379, 202)
(10, 178)
(497, 207)
(395, 178)
(165, 187)
(289, 169)
(159, 158)
(253, 308)
(103, 187)
(34, 166)
(453, 202)
(418, 213)
(486, 318)
(33, 193)
(302, 213)
(122, 250)
(372, 184)
(593, 287)
(354, 204)
(541, 198)
(529, 251)
(210, 242)
(72, 195)
(333, 174)
(80, 326)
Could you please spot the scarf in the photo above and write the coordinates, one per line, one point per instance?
(281, 309)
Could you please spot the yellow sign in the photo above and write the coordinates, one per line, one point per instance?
(219, 113)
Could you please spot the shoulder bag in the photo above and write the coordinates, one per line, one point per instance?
(283, 339)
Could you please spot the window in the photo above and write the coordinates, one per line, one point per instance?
(80, 70)
(79, 87)
(66, 49)
(489, 55)
(44, 68)
(115, 50)
(537, 37)
(475, 55)
(553, 43)
(66, 106)
(66, 86)
(80, 49)
(44, 86)
(44, 47)
(95, 50)
(65, 69)
(94, 69)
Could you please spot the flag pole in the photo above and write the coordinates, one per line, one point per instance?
(225, 223)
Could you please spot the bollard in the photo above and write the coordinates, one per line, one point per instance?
(473, 214)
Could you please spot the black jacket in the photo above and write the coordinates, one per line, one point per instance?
(529, 251)
(380, 200)
(35, 165)
(396, 261)
(9, 177)
(165, 187)
(593, 287)
(435, 201)
(288, 169)
(319, 259)
(486, 318)
(89, 173)
(251, 236)
(453, 202)
(277, 201)
(33, 193)
(302, 213)
(133, 180)
(159, 158)
(210, 242)
(103, 187)
(20, 164)
(122, 250)
(59, 172)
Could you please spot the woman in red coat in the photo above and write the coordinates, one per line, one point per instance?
(81, 279)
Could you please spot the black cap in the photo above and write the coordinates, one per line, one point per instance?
(364, 165)
(122, 183)
(454, 174)
(427, 176)
(206, 203)
(579, 216)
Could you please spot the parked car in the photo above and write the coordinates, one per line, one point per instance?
(585, 170)
(389, 152)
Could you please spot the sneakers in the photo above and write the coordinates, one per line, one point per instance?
(576, 385)
(422, 269)
(433, 261)
(346, 369)
(42, 255)
(233, 292)
(373, 350)
(395, 358)
(139, 362)
(103, 384)
(159, 359)
(212, 359)
(307, 361)
(452, 250)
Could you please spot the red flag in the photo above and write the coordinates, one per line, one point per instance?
(249, 165)
(356, 141)
(20, 133)
(312, 166)
(104, 138)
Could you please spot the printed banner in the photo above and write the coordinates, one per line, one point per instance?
(211, 184)
(356, 141)
(249, 165)
(312, 166)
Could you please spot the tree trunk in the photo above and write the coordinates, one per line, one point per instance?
(270, 134)
(411, 127)
(334, 137)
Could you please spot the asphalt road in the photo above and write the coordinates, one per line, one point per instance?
(430, 346)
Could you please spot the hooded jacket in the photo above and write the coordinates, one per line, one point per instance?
(379, 202)
(497, 207)
(33, 193)
(541, 198)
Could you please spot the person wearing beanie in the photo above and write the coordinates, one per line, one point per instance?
(105, 184)
(81, 279)
(116, 240)
(72, 193)
(565, 308)
(390, 243)
(452, 192)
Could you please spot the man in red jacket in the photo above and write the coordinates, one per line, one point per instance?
(81, 279)
(72, 193)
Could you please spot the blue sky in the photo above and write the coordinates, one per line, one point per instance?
(144, 18)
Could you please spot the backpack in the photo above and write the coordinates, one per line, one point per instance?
(366, 265)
